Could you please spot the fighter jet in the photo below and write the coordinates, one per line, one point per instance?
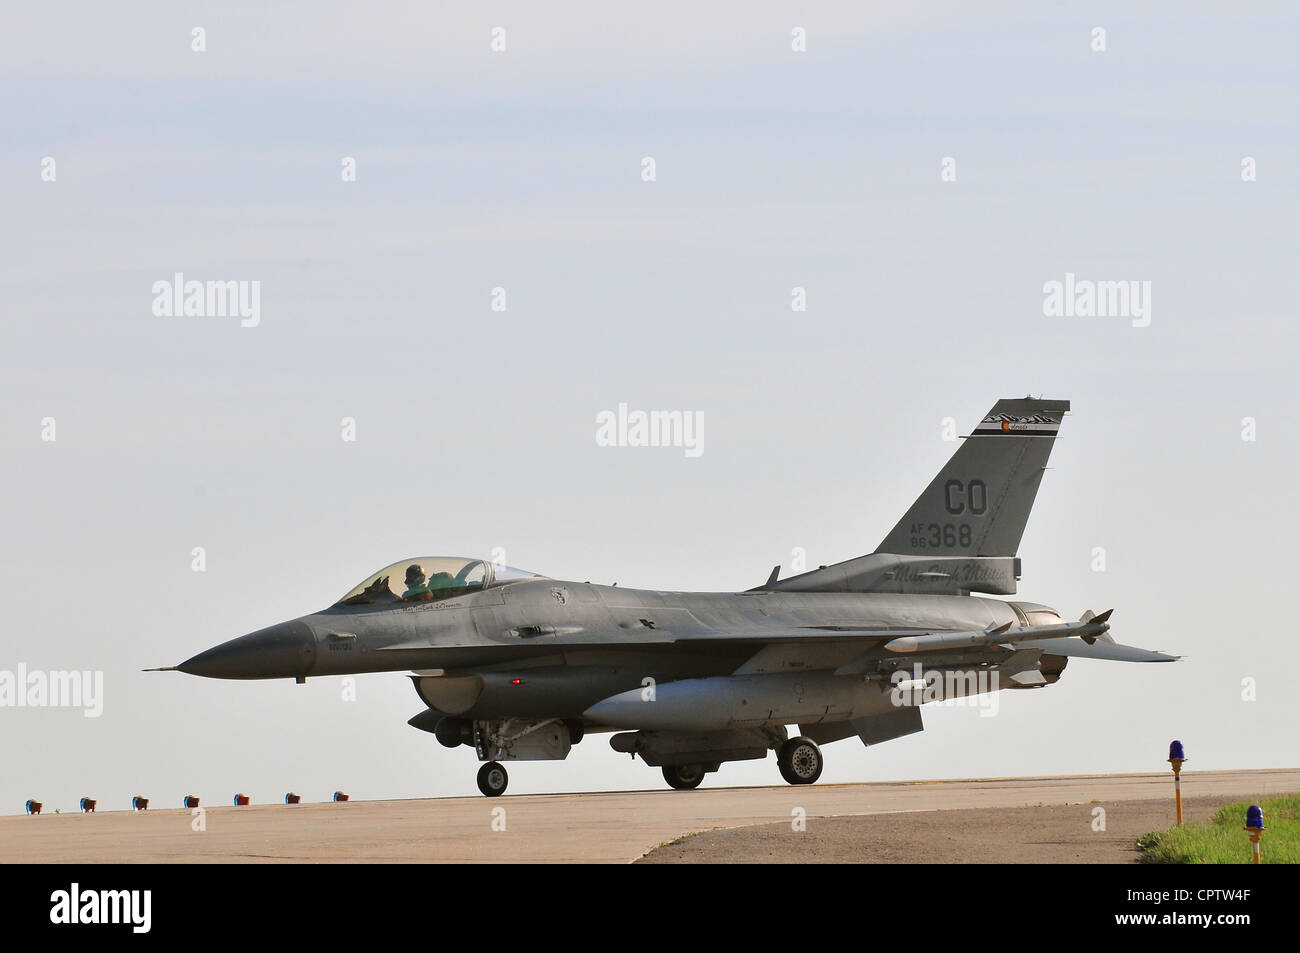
(521, 667)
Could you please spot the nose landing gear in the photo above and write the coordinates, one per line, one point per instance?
(683, 777)
(492, 779)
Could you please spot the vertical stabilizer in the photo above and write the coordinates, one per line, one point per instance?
(979, 503)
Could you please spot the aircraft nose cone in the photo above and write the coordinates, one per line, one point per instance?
(286, 650)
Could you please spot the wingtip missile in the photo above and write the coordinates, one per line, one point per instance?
(1095, 626)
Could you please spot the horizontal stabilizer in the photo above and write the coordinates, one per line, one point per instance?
(1110, 651)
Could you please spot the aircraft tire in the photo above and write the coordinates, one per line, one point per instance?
(683, 777)
(492, 779)
(800, 761)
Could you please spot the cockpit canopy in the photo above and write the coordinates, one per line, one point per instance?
(429, 579)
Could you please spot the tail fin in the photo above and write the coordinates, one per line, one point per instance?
(979, 503)
(962, 533)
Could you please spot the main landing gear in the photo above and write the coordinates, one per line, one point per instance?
(492, 779)
(800, 761)
(683, 777)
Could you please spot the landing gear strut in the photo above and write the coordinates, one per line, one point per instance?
(684, 776)
(800, 761)
(492, 779)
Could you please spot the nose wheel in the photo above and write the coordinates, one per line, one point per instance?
(492, 779)
(800, 761)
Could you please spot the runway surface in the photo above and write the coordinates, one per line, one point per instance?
(615, 827)
(1084, 833)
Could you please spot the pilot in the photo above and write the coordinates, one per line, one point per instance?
(443, 580)
(416, 590)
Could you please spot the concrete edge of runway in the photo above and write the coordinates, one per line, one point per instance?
(602, 826)
(737, 788)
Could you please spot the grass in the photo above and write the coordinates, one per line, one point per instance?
(1221, 840)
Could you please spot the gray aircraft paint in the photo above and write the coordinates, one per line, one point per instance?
(525, 668)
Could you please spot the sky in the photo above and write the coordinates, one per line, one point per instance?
(921, 173)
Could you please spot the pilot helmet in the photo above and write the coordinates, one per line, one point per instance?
(414, 574)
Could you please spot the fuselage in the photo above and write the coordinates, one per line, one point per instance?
(554, 647)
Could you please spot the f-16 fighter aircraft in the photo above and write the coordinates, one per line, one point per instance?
(521, 667)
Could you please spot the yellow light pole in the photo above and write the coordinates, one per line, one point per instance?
(1255, 828)
(1176, 759)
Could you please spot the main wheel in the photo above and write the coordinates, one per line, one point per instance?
(800, 761)
(492, 779)
(684, 777)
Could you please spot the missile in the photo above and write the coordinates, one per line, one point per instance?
(1089, 629)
